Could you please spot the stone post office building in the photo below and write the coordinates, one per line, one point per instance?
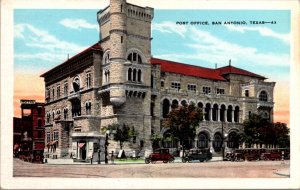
(117, 80)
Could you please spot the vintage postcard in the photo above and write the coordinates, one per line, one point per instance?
(127, 94)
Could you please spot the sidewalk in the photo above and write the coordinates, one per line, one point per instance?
(116, 162)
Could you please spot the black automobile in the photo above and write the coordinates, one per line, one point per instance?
(197, 154)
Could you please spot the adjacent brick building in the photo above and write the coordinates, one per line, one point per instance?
(29, 129)
(118, 81)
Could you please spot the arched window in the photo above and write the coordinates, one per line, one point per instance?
(174, 104)
(65, 113)
(134, 57)
(207, 112)
(263, 96)
(233, 140)
(76, 108)
(184, 103)
(139, 75)
(217, 144)
(229, 114)
(107, 73)
(76, 84)
(203, 140)
(236, 114)
(88, 106)
(106, 57)
(222, 113)
(134, 75)
(48, 117)
(215, 112)
(166, 107)
(129, 74)
(200, 105)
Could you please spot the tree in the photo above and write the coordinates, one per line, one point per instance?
(121, 133)
(260, 131)
(155, 139)
(182, 122)
(254, 129)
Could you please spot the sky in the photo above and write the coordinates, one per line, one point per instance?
(45, 38)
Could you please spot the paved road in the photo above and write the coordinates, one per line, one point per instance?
(259, 169)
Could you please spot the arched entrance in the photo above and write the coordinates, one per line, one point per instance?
(233, 140)
(203, 140)
(217, 143)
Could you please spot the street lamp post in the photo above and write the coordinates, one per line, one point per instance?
(223, 149)
(223, 144)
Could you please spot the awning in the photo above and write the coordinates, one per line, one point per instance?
(80, 145)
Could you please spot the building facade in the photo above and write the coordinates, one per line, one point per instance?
(117, 81)
(29, 129)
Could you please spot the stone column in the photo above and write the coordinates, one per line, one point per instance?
(195, 142)
(232, 116)
(210, 114)
(225, 115)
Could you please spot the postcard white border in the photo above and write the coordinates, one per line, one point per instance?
(8, 182)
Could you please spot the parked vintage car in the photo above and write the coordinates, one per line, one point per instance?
(197, 154)
(275, 154)
(161, 154)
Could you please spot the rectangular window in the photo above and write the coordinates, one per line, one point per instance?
(47, 95)
(162, 83)
(247, 93)
(206, 90)
(88, 80)
(192, 87)
(55, 135)
(220, 91)
(53, 92)
(58, 91)
(175, 85)
(65, 89)
(48, 137)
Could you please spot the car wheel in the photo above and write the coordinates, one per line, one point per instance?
(183, 160)
(165, 161)
(171, 160)
(201, 160)
(147, 160)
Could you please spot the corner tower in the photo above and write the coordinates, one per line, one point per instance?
(125, 37)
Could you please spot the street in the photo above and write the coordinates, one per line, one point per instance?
(217, 169)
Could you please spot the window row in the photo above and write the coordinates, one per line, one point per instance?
(55, 92)
(263, 95)
(211, 112)
(133, 57)
(193, 87)
(134, 75)
(202, 140)
(76, 111)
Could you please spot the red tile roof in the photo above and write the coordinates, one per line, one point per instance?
(201, 72)
(230, 69)
(93, 47)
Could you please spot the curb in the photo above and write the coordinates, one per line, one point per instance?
(280, 174)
